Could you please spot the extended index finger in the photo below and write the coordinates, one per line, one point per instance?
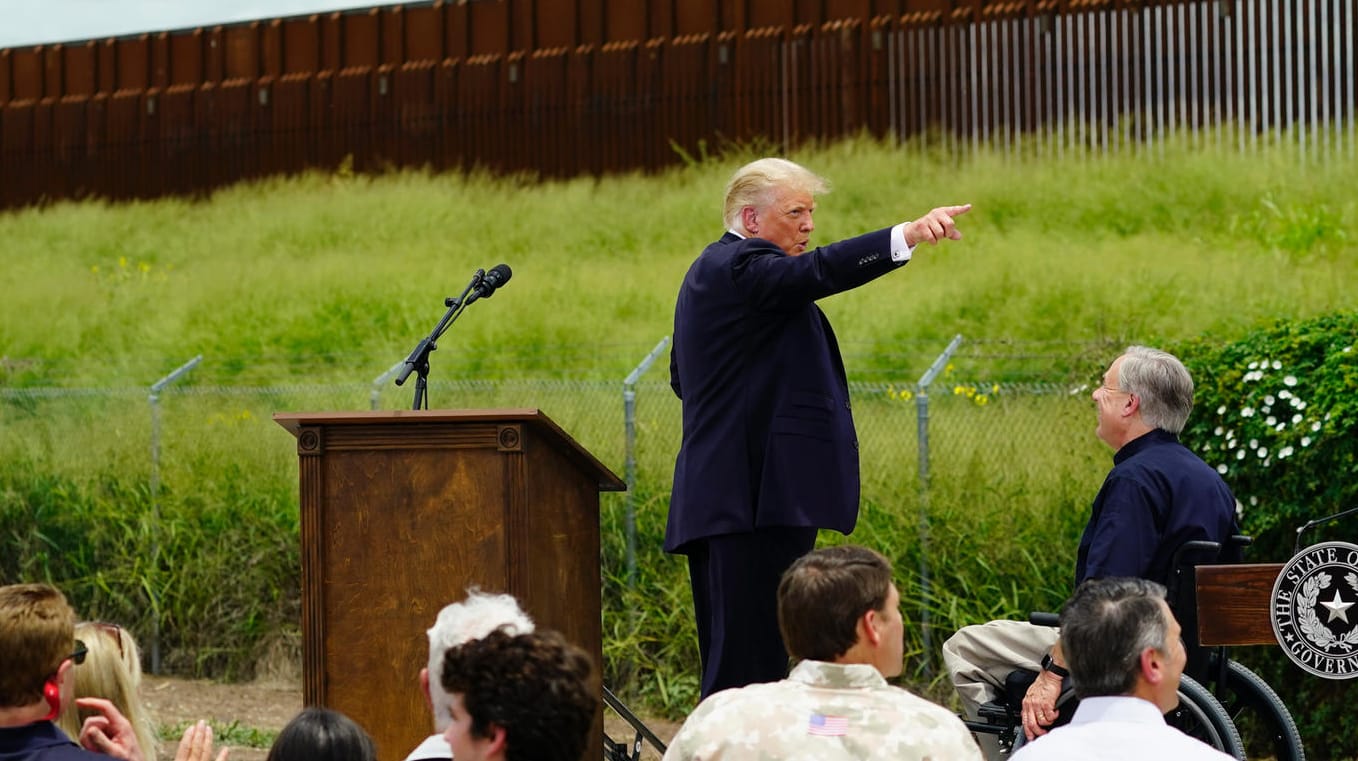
(953, 211)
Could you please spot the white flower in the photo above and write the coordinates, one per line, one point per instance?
(1230, 443)
(1315, 426)
(1277, 365)
(1348, 349)
(1254, 443)
(1296, 418)
(1284, 452)
(1284, 394)
(1253, 365)
(1240, 455)
(1247, 412)
(1219, 430)
(1279, 426)
(1269, 400)
(1263, 452)
(1221, 410)
(1290, 380)
(1222, 469)
(1306, 441)
(1270, 420)
(1230, 434)
(1254, 501)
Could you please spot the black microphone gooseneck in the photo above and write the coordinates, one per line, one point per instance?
(482, 285)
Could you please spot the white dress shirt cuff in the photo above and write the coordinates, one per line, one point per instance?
(900, 250)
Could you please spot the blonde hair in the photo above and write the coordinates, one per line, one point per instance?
(753, 184)
(35, 639)
(112, 671)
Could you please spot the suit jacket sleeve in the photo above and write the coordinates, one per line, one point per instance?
(770, 280)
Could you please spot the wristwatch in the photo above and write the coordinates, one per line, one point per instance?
(1050, 665)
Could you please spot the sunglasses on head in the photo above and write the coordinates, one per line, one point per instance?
(78, 657)
(112, 630)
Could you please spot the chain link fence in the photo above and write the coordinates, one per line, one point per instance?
(947, 467)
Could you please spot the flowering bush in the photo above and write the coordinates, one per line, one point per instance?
(1277, 414)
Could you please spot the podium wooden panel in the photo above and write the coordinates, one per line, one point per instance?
(401, 511)
(1233, 603)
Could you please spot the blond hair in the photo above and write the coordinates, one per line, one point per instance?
(753, 185)
(112, 671)
(35, 638)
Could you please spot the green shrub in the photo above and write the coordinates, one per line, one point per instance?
(1277, 414)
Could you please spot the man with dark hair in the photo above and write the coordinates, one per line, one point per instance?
(839, 613)
(769, 454)
(1158, 496)
(1125, 656)
(518, 697)
(38, 649)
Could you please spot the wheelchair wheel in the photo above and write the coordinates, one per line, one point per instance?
(1260, 715)
(1201, 716)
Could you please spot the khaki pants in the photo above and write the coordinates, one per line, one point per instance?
(980, 657)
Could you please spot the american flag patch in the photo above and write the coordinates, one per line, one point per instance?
(827, 726)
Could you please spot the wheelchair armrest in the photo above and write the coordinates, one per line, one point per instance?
(1043, 618)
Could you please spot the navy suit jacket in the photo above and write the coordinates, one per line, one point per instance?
(768, 434)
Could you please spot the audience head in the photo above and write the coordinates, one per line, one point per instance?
(520, 697)
(111, 670)
(839, 604)
(1120, 638)
(461, 622)
(37, 645)
(320, 734)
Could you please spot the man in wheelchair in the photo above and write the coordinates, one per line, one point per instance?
(1158, 496)
(1126, 657)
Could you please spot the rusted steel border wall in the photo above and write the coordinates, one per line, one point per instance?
(453, 86)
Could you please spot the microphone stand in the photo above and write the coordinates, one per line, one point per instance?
(418, 361)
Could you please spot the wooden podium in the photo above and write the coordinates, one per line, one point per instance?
(402, 511)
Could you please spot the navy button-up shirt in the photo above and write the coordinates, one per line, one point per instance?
(1158, 496)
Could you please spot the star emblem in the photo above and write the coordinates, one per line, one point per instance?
(1338, 608)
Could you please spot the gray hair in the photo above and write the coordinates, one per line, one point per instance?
(460, 623)
(751, 186)
(1105, 626)
(1161, 382)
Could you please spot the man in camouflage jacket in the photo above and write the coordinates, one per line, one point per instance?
(839, 613)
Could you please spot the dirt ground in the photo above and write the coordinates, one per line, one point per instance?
(268, 705)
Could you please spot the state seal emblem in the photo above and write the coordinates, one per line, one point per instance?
(1314, 609)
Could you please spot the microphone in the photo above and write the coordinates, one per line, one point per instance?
(494, 279)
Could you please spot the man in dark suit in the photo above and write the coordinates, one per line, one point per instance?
(769, 453)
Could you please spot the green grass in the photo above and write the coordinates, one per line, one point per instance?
(328, 279)
(324, 277)
(233, 734)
